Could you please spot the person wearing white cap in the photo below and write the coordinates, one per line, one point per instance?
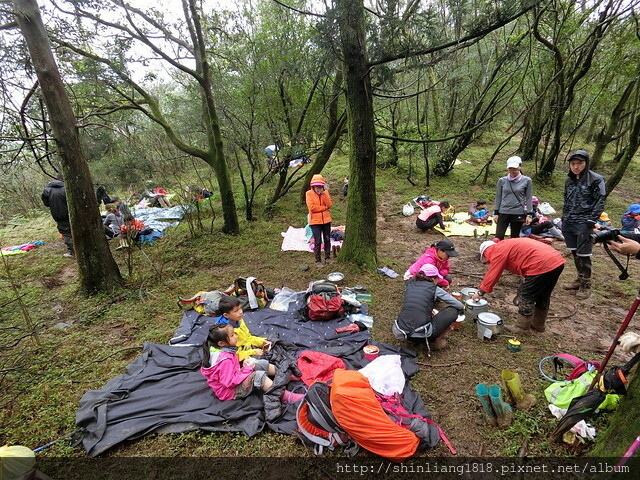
(539, 264)
(512, 206)
(416, 321)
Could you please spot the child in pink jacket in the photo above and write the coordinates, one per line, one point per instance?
(437, 255)
(223, 373)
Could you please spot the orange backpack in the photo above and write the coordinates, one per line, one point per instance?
(358, 412)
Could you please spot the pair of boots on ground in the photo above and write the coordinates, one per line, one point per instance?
(583, 283)
(498, 412)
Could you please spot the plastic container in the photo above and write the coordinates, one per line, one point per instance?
(363, 297)
(467, 293)
(514, 345)
(371, 352)
(366, 320)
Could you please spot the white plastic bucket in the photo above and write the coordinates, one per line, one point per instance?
(489, 324)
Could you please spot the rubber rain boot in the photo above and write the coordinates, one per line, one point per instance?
(523, 322)
(511, 382)
(540, 319)
(482, 392)
(584, 291)
(575, 285)
(504, 412)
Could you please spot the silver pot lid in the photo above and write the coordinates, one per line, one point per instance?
(471, 303)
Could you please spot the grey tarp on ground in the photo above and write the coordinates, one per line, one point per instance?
(163, 391)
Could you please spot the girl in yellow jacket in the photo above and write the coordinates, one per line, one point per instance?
(319, 202)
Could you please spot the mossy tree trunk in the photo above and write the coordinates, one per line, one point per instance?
(97, 269)
(360, 241)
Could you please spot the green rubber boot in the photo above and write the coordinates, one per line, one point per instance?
(504, 413)
(511, 382)
(482, 392)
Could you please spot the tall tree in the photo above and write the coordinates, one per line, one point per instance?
(181, 46)
(360, 241)
(98, 270)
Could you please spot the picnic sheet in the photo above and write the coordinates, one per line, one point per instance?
(464, 229)
(160, 218)
(295, 239)
(162, 391)
(20, 249)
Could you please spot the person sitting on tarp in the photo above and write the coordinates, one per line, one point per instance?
(540, 225)
(249, 345)
(225, 376)
(631, 219)
(432, 216)
(113, 221)
(479, 215)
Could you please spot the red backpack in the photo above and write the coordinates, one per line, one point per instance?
(324, 307)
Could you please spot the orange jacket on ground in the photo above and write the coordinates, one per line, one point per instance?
(522, 256)
(318, 206)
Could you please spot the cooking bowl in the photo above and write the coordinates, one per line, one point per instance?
(336, 277)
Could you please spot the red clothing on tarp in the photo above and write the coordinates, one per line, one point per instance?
(522, 256)
(318, 366)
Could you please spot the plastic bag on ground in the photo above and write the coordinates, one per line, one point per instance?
(282, 299)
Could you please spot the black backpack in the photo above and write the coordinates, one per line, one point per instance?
(317, 427)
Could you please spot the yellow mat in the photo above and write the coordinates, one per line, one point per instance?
(464, 229)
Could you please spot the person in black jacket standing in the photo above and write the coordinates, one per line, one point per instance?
(54, 196)
(584, 196)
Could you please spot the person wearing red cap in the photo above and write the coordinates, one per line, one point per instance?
(416, 321)
(319, 203)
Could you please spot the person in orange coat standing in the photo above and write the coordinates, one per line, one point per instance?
(319, 204)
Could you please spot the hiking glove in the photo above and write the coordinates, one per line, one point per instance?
(630, 342)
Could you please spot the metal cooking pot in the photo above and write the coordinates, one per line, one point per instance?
(472, 309)
(489, 324)
(467, 293)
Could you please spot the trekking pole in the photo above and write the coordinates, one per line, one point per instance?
(629, 453)
(614, 344)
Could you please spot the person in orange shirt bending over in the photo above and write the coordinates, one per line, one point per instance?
(319, 202)
(540, 265)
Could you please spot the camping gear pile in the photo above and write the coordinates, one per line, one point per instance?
(327, 416)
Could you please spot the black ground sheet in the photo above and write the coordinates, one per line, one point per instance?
(163, 391)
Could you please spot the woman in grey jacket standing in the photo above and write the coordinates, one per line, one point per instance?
(513, 207)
